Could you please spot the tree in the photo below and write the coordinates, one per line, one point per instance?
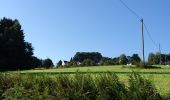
(168, 59)
(157, 58)
(36, 62)
(15, 53)
(129, 59)
(107, 61)
(88, 62)
(71, 60)
(81, 56)
(123, 60)
(135, 59)
(59, 64)
(116, 60)
(151, 58)
(47, 63)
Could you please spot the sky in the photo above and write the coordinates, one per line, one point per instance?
(58, 29)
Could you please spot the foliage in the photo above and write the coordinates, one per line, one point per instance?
(47, 63)
(151, 59)
(80, 59)
(141, 64)
(59, 64)
(142, 89)
(135, 59)
(110, 88)
(107, 61)
(35, 62)
(88, 62)
(73, 64)
(123, 60)
(154, 59)
(76, 87)
(81, 56)
(15, 52)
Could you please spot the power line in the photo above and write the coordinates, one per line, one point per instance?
(132, 11)
(138, 17)
(149, 35)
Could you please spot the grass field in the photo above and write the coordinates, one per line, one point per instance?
(159, 76)
(162, 70)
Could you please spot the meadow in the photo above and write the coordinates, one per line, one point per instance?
(159, 76)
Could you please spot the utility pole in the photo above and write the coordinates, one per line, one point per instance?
(143, 45)
(160, 62)
(165, 60)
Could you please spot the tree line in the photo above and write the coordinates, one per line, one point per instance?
(158, 58)
(16, 53)
(95, 58)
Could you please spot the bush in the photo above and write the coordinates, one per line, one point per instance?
(7, 81)
(76, 87)
(142, 89)
(110, 88)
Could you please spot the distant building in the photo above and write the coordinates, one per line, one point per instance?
(129, 64)
(65, 63)
(78, 63)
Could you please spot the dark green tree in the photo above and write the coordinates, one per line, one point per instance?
(88, 62)
(123, 60)
(157, 58)
(107, 61)
(151, 59)
(36, 62)
(116, 60)
(81, 56)
(135, 59)
(168, 59)
(59, 64)
(15, 53)
(47, 63)
(129, 59)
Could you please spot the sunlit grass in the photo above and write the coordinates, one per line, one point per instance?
(160, 77)
(117, 68)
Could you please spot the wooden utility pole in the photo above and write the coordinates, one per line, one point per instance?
(160, 62)
(165, 60)
(143, 45)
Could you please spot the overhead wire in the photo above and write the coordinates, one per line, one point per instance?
(133, 12)
(139, 18)
(149, 35)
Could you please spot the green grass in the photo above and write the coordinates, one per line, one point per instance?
(164, 69)
(160, 77)
(161, 81)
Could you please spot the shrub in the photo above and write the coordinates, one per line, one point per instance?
(76, 87)
(7, 81)
(142, 89)
(110, 88)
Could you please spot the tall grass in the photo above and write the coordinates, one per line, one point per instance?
(76, 87)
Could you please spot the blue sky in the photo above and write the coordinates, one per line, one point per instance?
(59, 28)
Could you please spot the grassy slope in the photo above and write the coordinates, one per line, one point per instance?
(161, 77)
(164, 69)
